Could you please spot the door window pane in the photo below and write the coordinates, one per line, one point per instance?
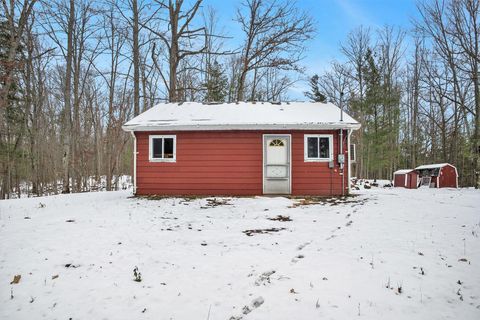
(277, 143)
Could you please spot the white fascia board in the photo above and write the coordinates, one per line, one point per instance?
(226, 127)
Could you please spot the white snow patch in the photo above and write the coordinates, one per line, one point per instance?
(196, 263)
(403, 171)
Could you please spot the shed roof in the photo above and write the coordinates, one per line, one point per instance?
(241, 116)
(403, 171)
(432, 166)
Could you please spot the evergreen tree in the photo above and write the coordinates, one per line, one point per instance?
(381, 110)
(13, 89)
(314, 94)
(12, 112)
(216, 84)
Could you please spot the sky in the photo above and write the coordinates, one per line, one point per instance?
(334, 19)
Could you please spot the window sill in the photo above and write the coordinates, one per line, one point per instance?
(162, 160)
(318, 160)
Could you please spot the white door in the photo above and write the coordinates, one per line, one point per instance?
(276, 164)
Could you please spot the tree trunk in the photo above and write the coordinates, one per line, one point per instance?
(476, 134)
(173, 58)
(241, 85)
(67, 120)
(136, 61)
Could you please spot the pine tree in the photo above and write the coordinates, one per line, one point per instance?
(13, 90)
(12, 114)
(216, 84)
(381, 110)
(314, 94)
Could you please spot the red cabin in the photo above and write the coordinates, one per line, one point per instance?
(441, 175)
(296, 148)
(406, 178)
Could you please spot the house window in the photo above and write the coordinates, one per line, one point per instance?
(162, 148)
(318, 147)
(353, 153)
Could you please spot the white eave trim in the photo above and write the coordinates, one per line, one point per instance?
(213, 127)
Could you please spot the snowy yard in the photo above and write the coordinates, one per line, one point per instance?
(386, 253)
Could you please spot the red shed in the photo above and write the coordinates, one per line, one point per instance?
(406, 178)
(441, 175)
(189, 148)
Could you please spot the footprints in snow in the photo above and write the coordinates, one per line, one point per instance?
(300, 247)
(264, 278)
(298, 258)
(257, 302)
(348, 224)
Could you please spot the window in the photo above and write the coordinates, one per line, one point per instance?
(162, 148)
(277, 143)
(318, 147)
(353, 153)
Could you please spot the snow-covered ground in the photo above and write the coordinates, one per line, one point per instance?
(92, 183)
(385, 254)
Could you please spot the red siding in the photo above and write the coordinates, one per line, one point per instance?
(231, 163)
(412, 180)
(411, 183)
(399, 180)
(448, 177)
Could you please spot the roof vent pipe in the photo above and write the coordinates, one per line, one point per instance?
(341, 106)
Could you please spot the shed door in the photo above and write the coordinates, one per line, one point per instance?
(276, 164)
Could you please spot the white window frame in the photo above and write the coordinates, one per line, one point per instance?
(150, 148)
(330, 147)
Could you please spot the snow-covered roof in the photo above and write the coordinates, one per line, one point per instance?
(241, 116)
(403, 171)
(432, 166)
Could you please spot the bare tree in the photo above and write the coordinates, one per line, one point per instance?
(453, 27)
(414, 74)
(67, 120)
(336, 84)
(275, 33)
(76, 21)
(465, 21)
(114, 40)
(131, 11)
(355, 49)
(276, 85)
(136, 59)
(181, 40)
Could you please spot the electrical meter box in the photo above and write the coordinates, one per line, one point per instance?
(341, 158)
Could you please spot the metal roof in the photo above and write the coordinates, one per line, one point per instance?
(432, 166)
(241, 116)
(403, 171)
